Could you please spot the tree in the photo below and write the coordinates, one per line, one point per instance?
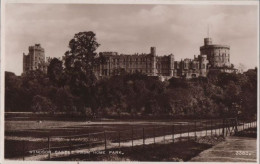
(241, 68)
(42, 104)
(55, 71)
(80, 63)
(81, 59)
(13, 93)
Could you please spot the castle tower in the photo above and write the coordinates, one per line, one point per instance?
(171, 56)
(203, 65)
(217, 55)
(35, 59)
(153, 61)
(153, 51)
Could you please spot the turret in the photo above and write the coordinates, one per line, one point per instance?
(153, 51)
(207, 41)
(203, 65)
(153, 61)
(171, 64)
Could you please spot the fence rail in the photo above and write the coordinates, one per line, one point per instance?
(67, 145)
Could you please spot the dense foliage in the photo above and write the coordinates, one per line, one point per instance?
(70, 86)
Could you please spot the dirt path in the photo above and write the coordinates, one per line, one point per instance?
(233, 149)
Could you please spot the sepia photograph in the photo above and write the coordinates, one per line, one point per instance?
(148, 81)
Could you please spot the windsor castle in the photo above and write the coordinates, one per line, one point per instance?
(212, 56)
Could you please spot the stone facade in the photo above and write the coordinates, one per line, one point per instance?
(191, 68)
(35, 59)
(152, 65)
(149, 64)
(211, 56)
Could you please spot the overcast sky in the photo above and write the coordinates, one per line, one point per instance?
(177, 29)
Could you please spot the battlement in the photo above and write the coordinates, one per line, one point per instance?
(36, 47)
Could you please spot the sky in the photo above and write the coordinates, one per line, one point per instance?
(176, 29)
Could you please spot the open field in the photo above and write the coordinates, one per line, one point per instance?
(61, 128)
(30, 135)
(23, 136)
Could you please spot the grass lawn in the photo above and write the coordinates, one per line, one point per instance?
(62, 128)
(180, 151)
(30, 135)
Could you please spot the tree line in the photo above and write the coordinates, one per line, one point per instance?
(71, 86)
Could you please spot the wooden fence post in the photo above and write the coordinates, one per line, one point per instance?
(153, 135)
(195, 131)
(188, 132)
(164, 135)
(119, 138)
(201, 131)
(180, 131)
(215, 128)
(211, 127)
(206, 130)
(173, 133)
(219, 128)
(70, 145)
(49, 148)
(143, 138)
(132, 137)
(223, 128)
(24, 150)
(236, 126)
(89, 144)
(105, 141)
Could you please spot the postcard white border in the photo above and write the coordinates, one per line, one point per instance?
(183, 2)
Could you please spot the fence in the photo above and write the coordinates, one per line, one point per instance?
(56, 146)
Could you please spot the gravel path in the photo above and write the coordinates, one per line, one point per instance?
(233, 149)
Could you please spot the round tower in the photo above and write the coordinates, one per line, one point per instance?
(218, 55)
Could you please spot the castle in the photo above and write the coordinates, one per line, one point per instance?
(211, 57)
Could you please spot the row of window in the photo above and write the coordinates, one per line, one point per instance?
(188, 66)
(118, 71)
(137, 59)
(130, 59)
(129, 64)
